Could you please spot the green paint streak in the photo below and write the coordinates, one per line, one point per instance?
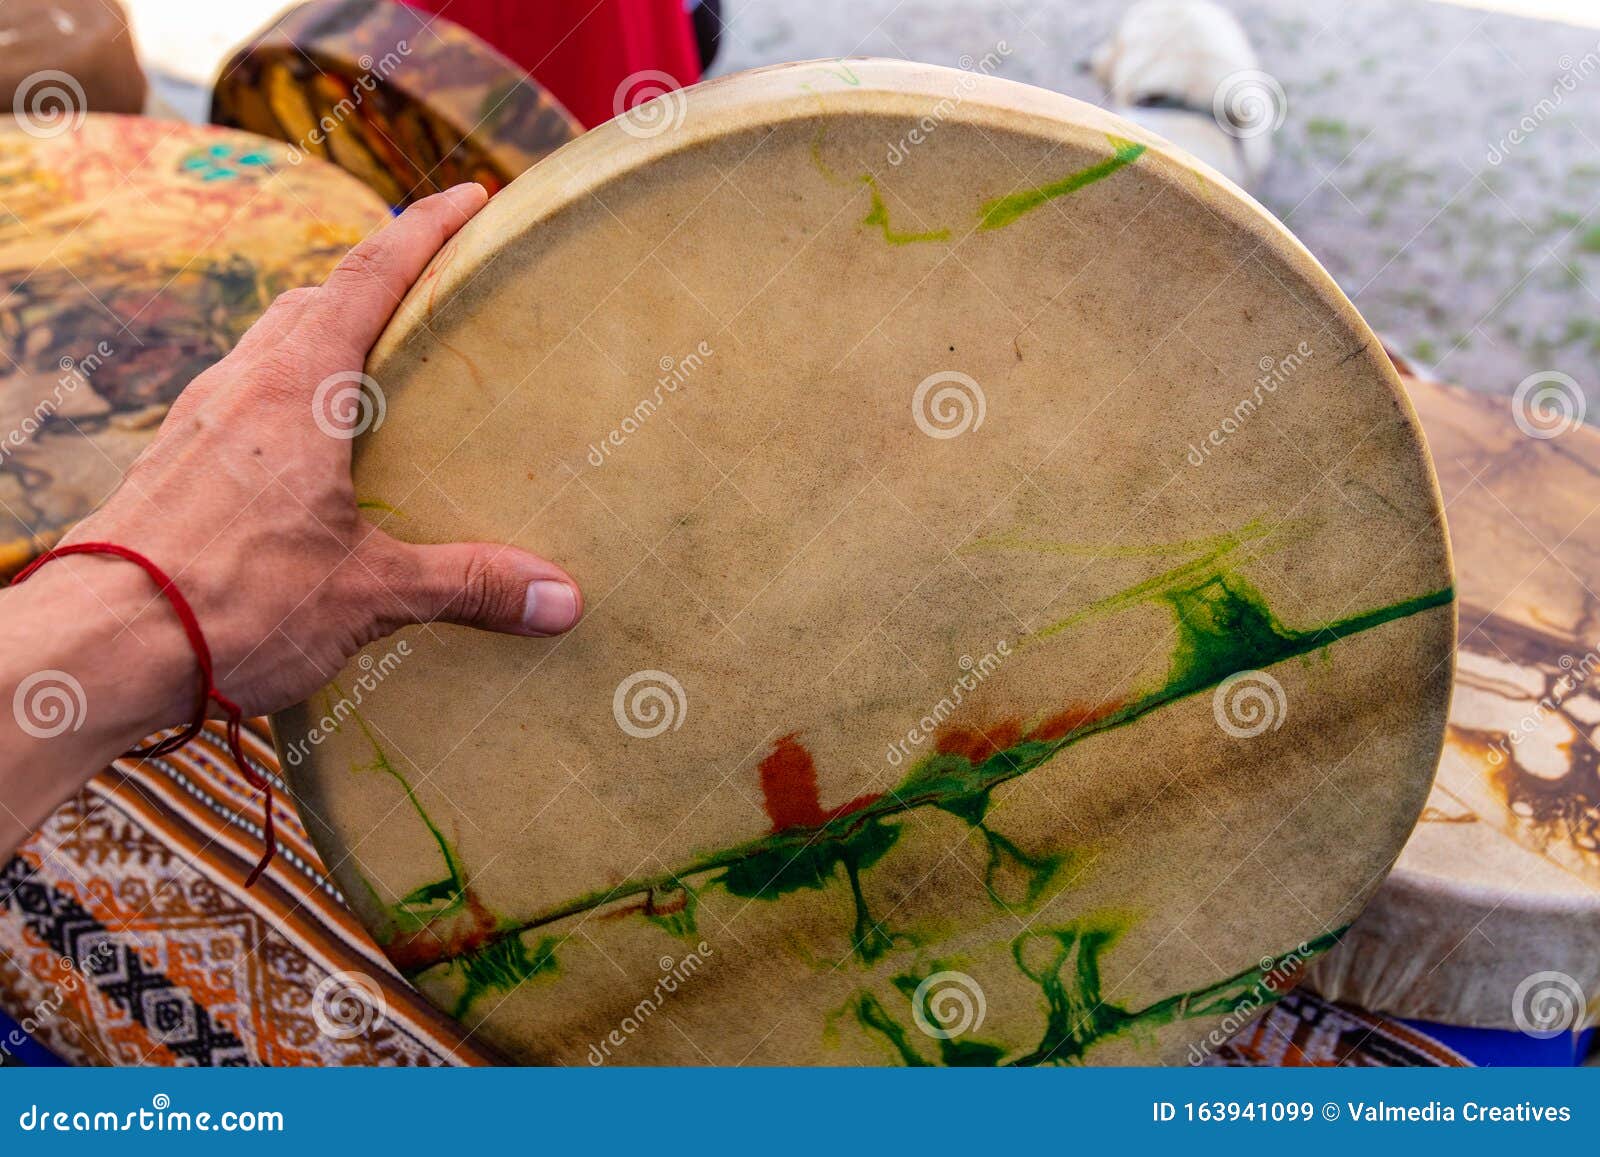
(995, 214)
(382, 507)
(501, 967)
(1065, 963)
(873, 1017)
(681, 923)
(793, 860)
(1002, 211)
(821, 164)
(1224, 627)
(1037, 871)
(429, 902)
(1215, 550)
(878, 217)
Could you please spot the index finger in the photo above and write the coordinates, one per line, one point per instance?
(361, 293)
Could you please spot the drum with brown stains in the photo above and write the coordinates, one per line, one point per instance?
(1491, 918)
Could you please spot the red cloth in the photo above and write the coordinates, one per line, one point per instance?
(584, 52)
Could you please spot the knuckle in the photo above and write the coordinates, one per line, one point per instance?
(290, 297)
(482, 593)
(365, 264)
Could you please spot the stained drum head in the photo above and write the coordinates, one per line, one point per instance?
(1019, 615)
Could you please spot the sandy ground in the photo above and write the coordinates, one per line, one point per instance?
(1478, 257)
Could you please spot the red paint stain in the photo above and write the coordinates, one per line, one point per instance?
(789, 789)
(1063, 723)
(466, 934)
(675, 902)
(979, 743)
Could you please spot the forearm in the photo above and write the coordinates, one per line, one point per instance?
(93, 661)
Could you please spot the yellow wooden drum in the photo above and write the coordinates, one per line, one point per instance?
(985, 662)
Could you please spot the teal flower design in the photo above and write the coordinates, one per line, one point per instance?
(224, 162)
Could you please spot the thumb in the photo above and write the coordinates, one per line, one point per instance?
(479, 584)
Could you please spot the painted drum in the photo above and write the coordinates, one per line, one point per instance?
(407, 101)
(930, 706)
(1491, 918)
(134, 254)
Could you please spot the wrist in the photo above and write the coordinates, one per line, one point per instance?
(102, 655)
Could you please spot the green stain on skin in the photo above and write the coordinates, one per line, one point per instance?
(380, 507)
(429, 902)
(1223, 625)
(676, 916)
(1002, 211)
(878, 218)
(796, 859)
(874, 1018)
(819, 163)
(500, 967)
(1007, 860)
(1065, 963)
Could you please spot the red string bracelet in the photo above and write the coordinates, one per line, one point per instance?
(208, 687)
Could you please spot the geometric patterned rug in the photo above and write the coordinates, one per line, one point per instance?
(127, 938)
(1303, 1029)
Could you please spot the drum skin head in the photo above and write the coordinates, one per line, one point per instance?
(1491, 917)
(968, 674)
(134, 253)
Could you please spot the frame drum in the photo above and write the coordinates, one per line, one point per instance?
(1019, 610)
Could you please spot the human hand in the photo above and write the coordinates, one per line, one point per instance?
(245, 500)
